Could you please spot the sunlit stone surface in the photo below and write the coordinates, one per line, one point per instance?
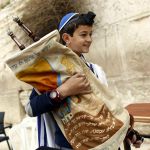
(121, 45)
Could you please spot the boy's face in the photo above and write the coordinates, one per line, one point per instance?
(81, 39)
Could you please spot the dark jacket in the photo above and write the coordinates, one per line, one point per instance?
(41, 104)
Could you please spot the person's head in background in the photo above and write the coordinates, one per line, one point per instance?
(76, 31)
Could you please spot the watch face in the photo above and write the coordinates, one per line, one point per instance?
(53, 94)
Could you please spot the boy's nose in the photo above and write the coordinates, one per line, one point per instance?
(89, 38)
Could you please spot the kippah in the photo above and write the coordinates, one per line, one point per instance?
(65, 20)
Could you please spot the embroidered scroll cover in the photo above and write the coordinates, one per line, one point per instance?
(93, 121)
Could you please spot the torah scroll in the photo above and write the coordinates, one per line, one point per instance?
(95, 121)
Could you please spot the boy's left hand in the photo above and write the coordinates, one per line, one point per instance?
(134, 138)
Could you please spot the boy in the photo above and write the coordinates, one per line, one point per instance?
(75, 32)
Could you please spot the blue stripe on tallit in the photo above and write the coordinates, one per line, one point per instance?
(39, 128)
(45, 135)
(59, 80)
(92, 69)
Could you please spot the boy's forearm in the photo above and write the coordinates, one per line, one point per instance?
(39, 104)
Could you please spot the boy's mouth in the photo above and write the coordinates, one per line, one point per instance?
(87, 45)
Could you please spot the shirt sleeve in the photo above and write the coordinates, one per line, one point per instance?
(39, 104)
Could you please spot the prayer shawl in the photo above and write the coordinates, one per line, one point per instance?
(95, 121)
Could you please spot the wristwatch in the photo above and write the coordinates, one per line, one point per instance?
(55, 96)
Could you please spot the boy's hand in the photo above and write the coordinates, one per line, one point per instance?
(134, 138)
(77, 84)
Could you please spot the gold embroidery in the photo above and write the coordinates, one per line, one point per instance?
(85, 131)
(68, 64)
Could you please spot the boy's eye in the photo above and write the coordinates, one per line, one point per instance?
(83, 34)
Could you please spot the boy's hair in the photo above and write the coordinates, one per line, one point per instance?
(72, 21)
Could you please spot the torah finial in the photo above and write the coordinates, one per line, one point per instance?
(11, 34)
(26, 29)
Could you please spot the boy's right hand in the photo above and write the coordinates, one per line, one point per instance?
(77, 84)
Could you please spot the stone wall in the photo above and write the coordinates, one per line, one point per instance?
(120, 44)
(41, 17)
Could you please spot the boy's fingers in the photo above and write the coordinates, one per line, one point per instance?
(79, 74)
(129, 141)
(133, 138)
(87, 91)
(137, 144)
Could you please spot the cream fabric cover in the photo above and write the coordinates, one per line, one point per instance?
(94, 121)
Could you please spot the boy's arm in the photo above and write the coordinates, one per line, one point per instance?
(38, 104)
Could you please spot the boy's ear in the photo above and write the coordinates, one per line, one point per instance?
(66, 37)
